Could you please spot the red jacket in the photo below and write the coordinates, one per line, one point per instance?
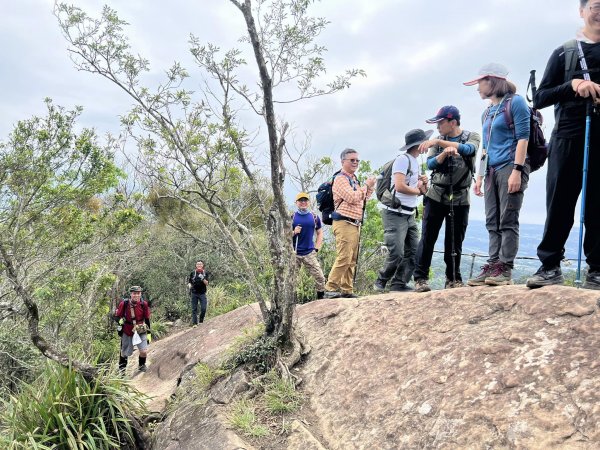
(141, 312)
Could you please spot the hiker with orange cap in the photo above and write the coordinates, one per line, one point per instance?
(305, 226)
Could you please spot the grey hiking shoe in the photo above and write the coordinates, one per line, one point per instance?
(592, 281)
(332, 294)
(479, 280)
(501, 275)
(143, 368)
(545, 277)
(453, 284)
(422, 286)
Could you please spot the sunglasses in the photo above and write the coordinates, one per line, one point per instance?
(353, 160)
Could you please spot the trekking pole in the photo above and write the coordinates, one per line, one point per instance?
(452, 243)
(586, 152)
(531, 84)
(362, 218)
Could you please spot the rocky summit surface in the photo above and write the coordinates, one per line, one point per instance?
(468, 368)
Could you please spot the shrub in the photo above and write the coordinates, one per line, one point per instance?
(61, 410)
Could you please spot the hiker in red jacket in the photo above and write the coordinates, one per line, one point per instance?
(133, 315)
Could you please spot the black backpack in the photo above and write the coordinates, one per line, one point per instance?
(325, 198)
(537, 148)
(385, 192)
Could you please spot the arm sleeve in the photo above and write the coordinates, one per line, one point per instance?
(553, 88)
(521, 117)
(119, 311)
(318, 223)
(432, 163)
(470, 147)
(400, 165)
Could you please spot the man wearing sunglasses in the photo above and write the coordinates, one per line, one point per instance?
(349, 199)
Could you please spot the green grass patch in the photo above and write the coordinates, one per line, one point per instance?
(243, 419)
(207, 375)
(281, 395)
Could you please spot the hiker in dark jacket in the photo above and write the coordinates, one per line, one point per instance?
(566, 89)
(133, 316)
(197, 283)
(451, 157)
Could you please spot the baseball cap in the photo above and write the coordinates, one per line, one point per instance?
(302, 195)
(446, 112)
(135, 289)
(489, 70)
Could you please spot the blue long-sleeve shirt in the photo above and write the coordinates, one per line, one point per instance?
(503, 143)
(466, 149)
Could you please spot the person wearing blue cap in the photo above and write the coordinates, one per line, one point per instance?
(451, 157)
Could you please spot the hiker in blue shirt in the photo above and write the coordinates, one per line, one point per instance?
(305, 225)
(506, 170)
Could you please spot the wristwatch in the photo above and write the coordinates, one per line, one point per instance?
(518, 167)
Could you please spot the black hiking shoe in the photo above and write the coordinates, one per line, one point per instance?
(592, 281)
(143, 368)
(378, 286)
(349, 295)
(545, 277)
(402, 288)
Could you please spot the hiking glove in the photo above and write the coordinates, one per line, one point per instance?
(149, 337)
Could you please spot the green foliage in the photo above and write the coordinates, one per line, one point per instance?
(243, 418)
(253, 349)
(305, 287)
(61, 410)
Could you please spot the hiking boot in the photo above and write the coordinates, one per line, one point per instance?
(401, 288)
(422, 286)
(486, 271)
(378, 286)
(545, 277)
(320, 295)
(453, 284)
(501, 275)
(349, 295)
(332, 294)
(143, 368)
(592, 281)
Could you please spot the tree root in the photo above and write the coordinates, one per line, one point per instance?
(287, 360)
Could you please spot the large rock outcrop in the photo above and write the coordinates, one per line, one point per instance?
(502, 367)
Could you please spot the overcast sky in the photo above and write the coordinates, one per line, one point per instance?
(416, 55)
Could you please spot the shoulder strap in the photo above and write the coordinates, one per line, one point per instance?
(314, 219)
(508, 117)
(570, 48)
(408, 171)
(464, 137)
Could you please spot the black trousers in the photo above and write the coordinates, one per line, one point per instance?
(563, 186)
(434, 214)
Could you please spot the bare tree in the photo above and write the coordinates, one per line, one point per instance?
(199, 153)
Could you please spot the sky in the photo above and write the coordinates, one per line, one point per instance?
(416, 56)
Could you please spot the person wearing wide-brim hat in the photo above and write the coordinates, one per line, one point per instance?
(401, 234)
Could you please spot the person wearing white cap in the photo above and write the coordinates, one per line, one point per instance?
(306, 225)
(506, 170)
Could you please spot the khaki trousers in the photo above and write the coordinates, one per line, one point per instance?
(341, 277)
(311, 263)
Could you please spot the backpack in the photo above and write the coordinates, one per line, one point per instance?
(537, 148)
(385, 192)
(325, 198)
